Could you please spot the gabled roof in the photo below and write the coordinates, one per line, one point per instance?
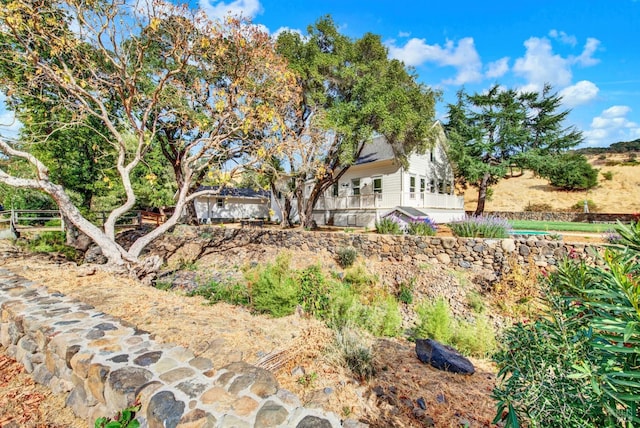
(376, 150)
(409, 212)
(244, 192)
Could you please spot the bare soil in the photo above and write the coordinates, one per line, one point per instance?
(226, 333)
(621, 194)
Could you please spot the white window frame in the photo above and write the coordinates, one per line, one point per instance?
(412, 187)
(355, 186)
(376, 190)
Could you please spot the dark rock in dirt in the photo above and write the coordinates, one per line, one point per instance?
(442, 357)
(94, 255)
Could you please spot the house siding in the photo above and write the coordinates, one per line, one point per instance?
(234, 208)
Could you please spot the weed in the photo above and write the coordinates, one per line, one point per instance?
(233, 293)
(607, 175)
(475, 300)
(315, 291)
(273, 288)
(186, 264)
(308, 380)
(346, 256)
(405, 293)
(52, 242)
(163, 285)
(579, 206)
(124, 419)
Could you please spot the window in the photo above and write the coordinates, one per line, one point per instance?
(432, 186)
(449, 188)
(431, 156)
(220, 203)
(377, 185)
(422, 183)
(440, 186)
(355, 187)
(412, 186)
(335, 189)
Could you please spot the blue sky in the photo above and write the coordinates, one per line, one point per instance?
(587, 49)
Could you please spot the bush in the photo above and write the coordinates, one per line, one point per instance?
(389, 226)
(538, 208)
(608, 175)
(579, 206)
(346, 256)
(315, 292)
(52, 242)
(233, 293)
(351, 351)
(481, 227)
(426, 227)
(569, 171)
(273, 288)
(435, 321)
(578, 363)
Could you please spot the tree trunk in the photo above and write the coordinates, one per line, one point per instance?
(482, 194)
(286, 213)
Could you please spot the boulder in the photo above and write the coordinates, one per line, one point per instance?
(442, 357)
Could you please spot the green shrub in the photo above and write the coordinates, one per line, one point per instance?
(578, 364)
(481, 227)
(52, 242)
(273, 288)
(346, 256)
(126, 418)
(569, 171)
(608, 175)
(232, 292)
(435, 321)
(381, 318)
(315, 292)
(389, 226)
(342, 312)
(579, 206)
(425, 227)
(405, 293)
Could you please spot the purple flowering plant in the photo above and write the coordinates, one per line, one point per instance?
(481, 227)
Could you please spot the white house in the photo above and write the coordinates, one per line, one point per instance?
(229, 204)
(377, 183)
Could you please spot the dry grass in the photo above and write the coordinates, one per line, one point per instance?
(621, 194)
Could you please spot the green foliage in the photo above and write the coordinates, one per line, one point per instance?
(435, 321)
(124, 419)
(475, 300)
(421, 228)
(346, 256)
(607, 175)
(569, 171)
(481, 227)
(579, 206)
(52, 242)
(230, 292)
(579, 363)
(405, 293)
(315, 291)
(492, 131)
(388, 226)
(273, 288)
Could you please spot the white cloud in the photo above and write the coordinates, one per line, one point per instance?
(540, 65)
(219, 9)
(580, 93)
(586, 57)
(463, 57)
(612, 126)
(403, 34)
(497, 68)
(288, 30)
(563, 37)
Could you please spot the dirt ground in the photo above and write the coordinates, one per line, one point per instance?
(621, 194)
(226, 333)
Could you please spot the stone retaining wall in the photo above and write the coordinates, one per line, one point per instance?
(493, 254)
(104, 363)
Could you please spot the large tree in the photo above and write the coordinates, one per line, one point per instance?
(492, 131)
(351, 91)
(135, 68)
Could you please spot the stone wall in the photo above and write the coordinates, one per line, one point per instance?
(562, 216)
(492, 254)
(103, 364)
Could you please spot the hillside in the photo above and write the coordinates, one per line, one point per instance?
(621, 194)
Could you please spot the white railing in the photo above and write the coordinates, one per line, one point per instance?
(390, 200)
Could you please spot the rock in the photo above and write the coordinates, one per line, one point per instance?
(271, 414)
(164, 410)
(508, 245)
(524, 250)
(443, 258)
(313, 422)
(442, 357)
(94, 255)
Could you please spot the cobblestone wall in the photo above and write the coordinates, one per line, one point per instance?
(103, 364)
(492, 254)
(563, 216)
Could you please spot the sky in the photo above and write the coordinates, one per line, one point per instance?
(586, 49)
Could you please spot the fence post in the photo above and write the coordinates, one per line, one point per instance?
(61, 221)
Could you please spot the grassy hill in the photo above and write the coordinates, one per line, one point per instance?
(619, 194)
